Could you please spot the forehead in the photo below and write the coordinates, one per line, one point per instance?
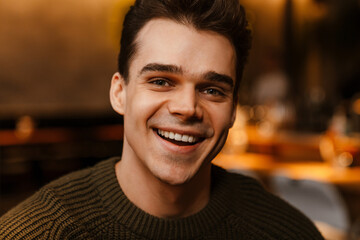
(167, 42)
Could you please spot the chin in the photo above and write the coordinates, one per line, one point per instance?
(175, 176)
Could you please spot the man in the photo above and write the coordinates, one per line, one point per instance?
(179, 69)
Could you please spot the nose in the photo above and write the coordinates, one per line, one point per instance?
(185, 104)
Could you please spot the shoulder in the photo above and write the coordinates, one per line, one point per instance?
(35, 218)
(51, 210)
(258, 210)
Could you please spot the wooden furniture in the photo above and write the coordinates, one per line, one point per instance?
(267, 165)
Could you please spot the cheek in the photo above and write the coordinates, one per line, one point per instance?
(142, 105)
(221, 118)
(223, 123)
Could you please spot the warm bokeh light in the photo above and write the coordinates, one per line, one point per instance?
(345, 159)
(266, 128)
(25, 127)
(327, 149)
(356, 106)
(237, 139)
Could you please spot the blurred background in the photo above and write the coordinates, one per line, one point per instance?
(298, 123)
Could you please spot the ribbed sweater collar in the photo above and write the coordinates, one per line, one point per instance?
(121, 210)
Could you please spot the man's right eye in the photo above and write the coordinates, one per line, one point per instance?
(160, 82)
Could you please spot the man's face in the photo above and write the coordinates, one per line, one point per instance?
(178, 103)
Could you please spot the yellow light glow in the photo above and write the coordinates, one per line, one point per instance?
(237, 139)
(327, 150)
(356, 106)
(345, 159)
(266, 128)
(24, 128)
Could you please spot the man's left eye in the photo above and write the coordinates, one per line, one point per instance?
(213, 91)
(160, 82)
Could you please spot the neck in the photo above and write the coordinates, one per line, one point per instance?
(159, 198)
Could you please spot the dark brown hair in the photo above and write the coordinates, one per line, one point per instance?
(225, 17)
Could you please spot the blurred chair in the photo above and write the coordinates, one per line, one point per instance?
(319, 201)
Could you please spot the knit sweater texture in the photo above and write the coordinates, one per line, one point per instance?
(89, 204)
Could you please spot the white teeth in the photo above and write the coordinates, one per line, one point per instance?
(184, 138)
(177, 136)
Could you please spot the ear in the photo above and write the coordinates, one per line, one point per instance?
(118, 93)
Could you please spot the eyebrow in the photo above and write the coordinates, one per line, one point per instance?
(157, 67)
(217, 77)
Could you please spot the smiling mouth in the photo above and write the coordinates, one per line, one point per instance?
(177, 138)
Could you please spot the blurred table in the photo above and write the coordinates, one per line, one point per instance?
(347, 180)
(54, 135)
(267, 165)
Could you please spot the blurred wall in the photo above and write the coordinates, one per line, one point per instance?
(57, 57)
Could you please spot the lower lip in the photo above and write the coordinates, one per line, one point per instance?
(177, 148)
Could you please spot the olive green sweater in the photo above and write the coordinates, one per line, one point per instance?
(90, 204)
